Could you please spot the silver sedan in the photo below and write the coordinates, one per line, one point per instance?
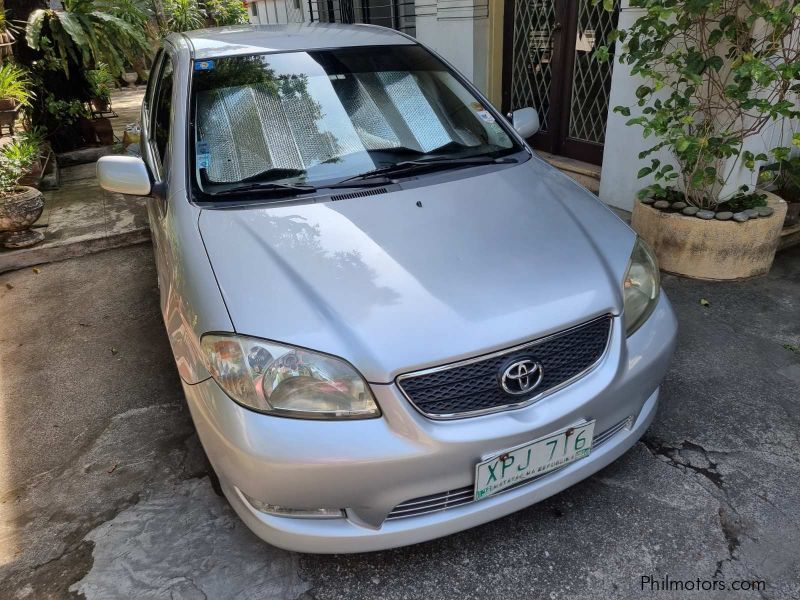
(392, 321)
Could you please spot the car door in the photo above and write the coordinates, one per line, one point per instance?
(156, 143)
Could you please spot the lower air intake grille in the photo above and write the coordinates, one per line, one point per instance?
(465, 495)
(474, 387)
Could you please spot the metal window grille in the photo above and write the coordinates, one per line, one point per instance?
(396, 14)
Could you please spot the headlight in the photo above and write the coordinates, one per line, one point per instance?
(287, 381)
(640, 287)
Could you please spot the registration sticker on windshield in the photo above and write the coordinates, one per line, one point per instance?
(203, 155)
(483, 114)
(204, 65)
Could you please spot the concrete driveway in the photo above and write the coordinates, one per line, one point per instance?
(104, 490)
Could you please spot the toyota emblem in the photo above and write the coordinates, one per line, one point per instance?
(521, 377)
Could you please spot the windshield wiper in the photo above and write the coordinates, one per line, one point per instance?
(427, 165)
(268, 187)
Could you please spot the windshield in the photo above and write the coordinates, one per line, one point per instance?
(319, 117)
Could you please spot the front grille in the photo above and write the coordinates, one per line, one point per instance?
(473, 386)
(466, 495)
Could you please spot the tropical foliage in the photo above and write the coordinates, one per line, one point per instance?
(15, 84)
(86, 34)
(101, 81)
(226, 12)
(16, 157)
(183, 15)
(715, 73)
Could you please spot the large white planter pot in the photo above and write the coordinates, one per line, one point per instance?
(716, 250)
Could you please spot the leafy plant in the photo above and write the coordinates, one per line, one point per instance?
(715, 73)
(67, 111)
(86, 34)
(23, 149)
(183, 15)
(15, 84)
(786, 177)
(226, 12)
(16, 157)
(11, 171)
(101, 81)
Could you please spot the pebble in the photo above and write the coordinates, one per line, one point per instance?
(752, 213)
(678, 205)
(741, 217)
(705, 214)
(764, 211)
(648, 200)
(725, 215)
(662, 204)
(690, 211)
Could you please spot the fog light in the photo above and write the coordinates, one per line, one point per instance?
(297, 513)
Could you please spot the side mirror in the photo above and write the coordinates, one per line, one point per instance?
(526, 121)
(124, 175)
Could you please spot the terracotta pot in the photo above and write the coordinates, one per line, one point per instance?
(17, 213)
(8, 104)
(101, 105)
(103, 130)
(714, 250)
(87, 130)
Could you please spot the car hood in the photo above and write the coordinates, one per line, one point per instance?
(485, 262)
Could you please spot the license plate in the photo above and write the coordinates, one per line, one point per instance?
(533, 459)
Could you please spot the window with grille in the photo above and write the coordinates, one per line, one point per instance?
(396, 14)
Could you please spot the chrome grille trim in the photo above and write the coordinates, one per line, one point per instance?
(425, 505)
(500, 353)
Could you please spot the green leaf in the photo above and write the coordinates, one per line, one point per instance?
(601, 54)
(33, 29)
(644, 172)
(715, 62)
(608, 5)
(682, 145)
(796, 139)
(623, 110)
(714, 37)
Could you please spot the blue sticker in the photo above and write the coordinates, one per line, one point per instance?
(204, 65)
(203, 155)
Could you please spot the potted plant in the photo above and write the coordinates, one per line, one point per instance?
(20, 206)
(32, 143)
(101, 82)
(715, 74)
(14, 93)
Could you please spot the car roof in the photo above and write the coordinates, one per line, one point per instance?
(256, 39)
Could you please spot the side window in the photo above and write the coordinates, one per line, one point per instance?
(163, 109)
(151, 87)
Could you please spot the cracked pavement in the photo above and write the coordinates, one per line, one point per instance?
(104, 490)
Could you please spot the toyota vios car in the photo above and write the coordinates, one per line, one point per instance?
(391, 319)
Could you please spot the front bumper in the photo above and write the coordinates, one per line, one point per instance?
(368, 467)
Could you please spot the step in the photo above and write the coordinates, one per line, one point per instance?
(587, 174)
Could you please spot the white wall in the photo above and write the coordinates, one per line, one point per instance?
(459, 31)
(621, 163)
(272, 12)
